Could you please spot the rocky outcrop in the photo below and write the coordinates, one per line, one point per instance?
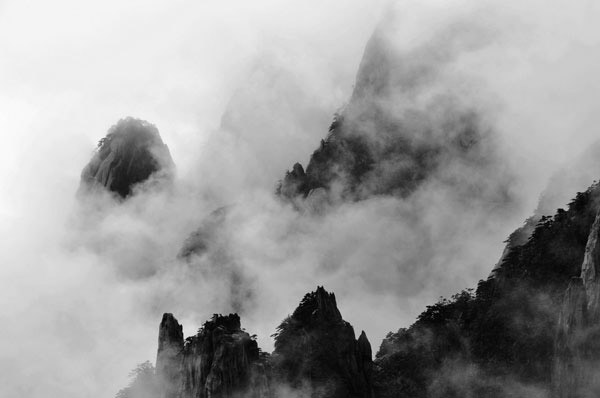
(569, 349)
(316, 351)
(131, 153)
(590, 272)
(169, 357)
(220, 361)
(316, 355)
(577, 342)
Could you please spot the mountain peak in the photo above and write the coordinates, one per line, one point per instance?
(318, 306)
(168, 357)
(230, 323)
(130, 153)
(316, 344)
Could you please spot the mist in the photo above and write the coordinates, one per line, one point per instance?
(239, 92)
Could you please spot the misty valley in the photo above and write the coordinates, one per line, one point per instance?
(529, 329)
(405, 194)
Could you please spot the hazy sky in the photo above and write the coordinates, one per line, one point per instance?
(82, 290)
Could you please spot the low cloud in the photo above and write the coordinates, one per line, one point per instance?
(84, 284)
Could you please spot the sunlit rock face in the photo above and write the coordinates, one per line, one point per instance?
(316, 351)
(220, 361)
(131, 153)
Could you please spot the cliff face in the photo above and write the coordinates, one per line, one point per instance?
(568, 377)
(590, 272)
(577, 347)
(169, 357)
(220, 361)
(316, 351)
(130, 153)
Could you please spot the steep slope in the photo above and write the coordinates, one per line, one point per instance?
(400, 128)
(131, 152)
(316, 350)
(575, 176)
(505, 339)
(577, 347)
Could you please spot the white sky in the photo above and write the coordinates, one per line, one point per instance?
(71, 69)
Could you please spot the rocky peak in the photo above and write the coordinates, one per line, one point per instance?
(221, 360)
(389, 139)
(316, 355)
(169, 356)
(317, 308)
(364, 346)
(316, 349)
(131, 152)
(228, 323)
(170, 332)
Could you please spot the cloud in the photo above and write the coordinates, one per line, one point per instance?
(84, 287)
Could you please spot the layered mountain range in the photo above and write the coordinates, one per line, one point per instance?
(529, 330)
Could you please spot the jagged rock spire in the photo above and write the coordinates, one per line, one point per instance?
(318, 307)
(169, 356)
(316, 349)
